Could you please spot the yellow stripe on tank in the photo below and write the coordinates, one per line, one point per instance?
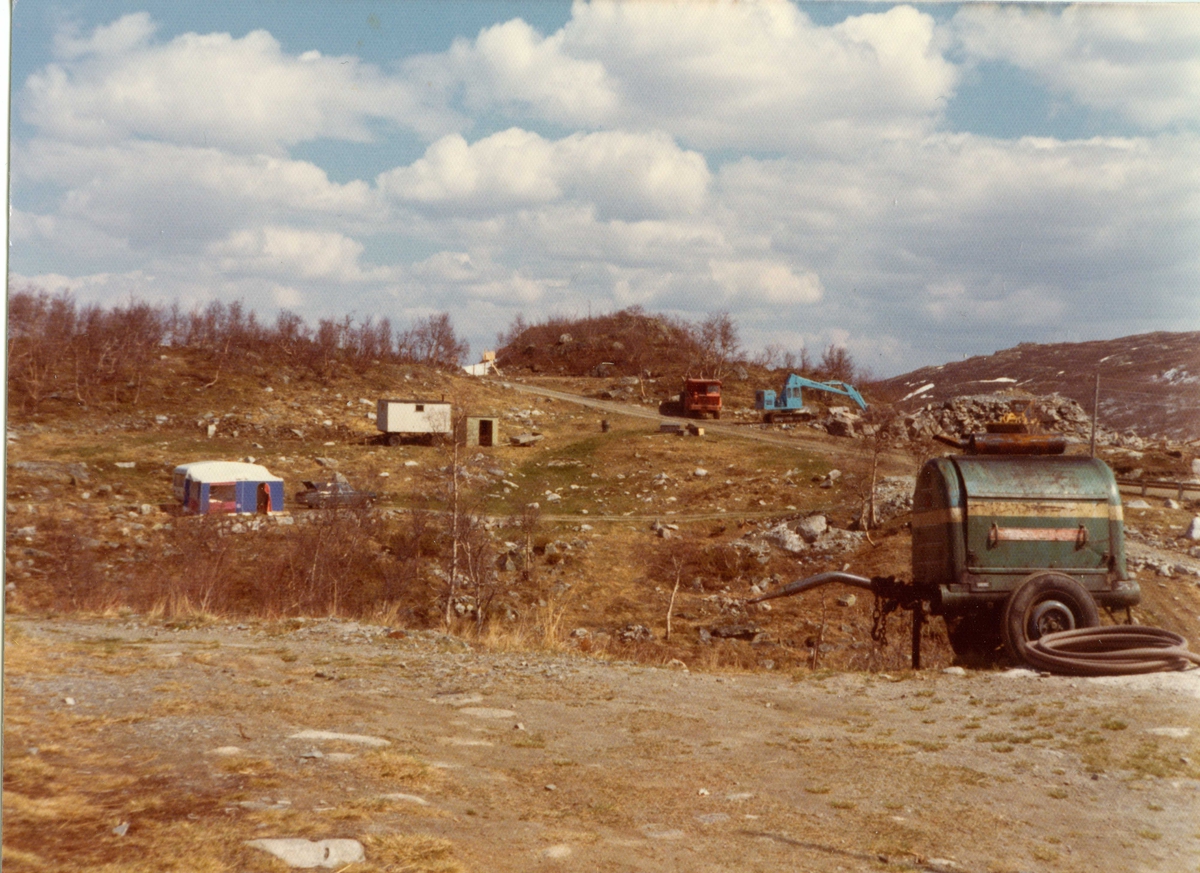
(934, 517)
(1044, 509)
(1014, 509)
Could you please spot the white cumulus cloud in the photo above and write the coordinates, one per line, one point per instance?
(772, 281)
(759, 76)
(243, 94)
(623, 175)
(158, 196)
(289, 251)
(511, 65)
(1141, 61)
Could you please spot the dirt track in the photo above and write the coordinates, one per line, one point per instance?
(744, 430)
(565, 763)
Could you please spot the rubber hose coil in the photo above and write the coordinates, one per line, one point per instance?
(1114, 650)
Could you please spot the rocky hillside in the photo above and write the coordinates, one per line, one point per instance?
(1149, 384)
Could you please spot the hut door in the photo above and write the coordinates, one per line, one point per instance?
(263, 502)
(485, 432)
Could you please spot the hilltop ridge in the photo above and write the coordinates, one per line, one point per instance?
(1149, 383)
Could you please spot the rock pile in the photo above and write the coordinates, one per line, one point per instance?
(893, 497)
(968, 414)
(810, 536)
(972, 413)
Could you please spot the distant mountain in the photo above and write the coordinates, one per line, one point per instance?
(1149, 383)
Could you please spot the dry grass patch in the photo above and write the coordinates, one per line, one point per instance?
(25, 656)
(81, 798)
(21, 809)
(400, 769)
(246, 765)
(166, 706)
(407, 853)
(110, 666)
(523, 740)
(370, 806)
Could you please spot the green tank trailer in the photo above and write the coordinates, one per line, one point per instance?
(1010, 541)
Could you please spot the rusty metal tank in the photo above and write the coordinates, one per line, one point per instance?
(1010, 543)
(984, 524)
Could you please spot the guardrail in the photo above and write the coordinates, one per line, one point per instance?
(1156, 487)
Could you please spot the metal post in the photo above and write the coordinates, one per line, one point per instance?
(1095, 412)
(918, 616)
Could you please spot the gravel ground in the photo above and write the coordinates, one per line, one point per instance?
(563, 762)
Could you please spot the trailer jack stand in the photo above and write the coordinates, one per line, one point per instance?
(890, 594)
(918, 618)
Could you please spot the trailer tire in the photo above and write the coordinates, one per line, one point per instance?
(1043, 604)
(394, 439)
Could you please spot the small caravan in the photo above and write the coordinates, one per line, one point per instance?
(398, 419)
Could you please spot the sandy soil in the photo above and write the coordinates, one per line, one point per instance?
(559, 762)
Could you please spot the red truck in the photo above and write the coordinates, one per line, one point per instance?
(698, 398)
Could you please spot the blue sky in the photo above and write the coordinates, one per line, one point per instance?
(918, 183)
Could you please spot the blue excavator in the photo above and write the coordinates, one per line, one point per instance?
(789, 402)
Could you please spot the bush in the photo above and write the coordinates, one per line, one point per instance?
(57, 350)
(338, 562)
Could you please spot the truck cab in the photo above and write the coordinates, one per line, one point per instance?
(701, 397)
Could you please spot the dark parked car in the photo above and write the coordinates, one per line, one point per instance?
(327, 494)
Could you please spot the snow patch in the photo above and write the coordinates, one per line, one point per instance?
(1176, 376)
(918, 392)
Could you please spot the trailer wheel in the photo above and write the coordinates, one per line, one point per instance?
(393, 439)
(1044, 604)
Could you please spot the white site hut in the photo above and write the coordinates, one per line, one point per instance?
(400, 418)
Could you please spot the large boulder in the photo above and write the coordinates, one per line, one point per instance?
(811, 528)
(785, 538)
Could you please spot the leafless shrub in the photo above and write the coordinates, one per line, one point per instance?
(41, 333)
(836, 364)
(478, 565)
(432, 341)
(719, 346)
(63, 574)
(94, 353)
(468, 571)
(332, 564)
(527, 524)
(876, 423)
(710, 565)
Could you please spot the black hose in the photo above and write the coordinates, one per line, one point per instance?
(1115, 650)
(811, 582)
